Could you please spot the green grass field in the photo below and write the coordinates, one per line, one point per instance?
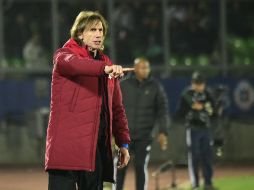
(228, 183)
(235, 183)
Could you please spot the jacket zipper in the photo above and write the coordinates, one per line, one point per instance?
(94, 137)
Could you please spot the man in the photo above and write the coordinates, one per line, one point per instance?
(86, 108)
(145, 102)
(196, 107)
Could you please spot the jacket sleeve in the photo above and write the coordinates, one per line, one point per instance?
(211, 100)
(120, 123)
(184, 105)
(162, 110)
(68, 64)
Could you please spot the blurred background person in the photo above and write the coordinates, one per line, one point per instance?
(220, 120)
(33, 53)
(124, 25)
(196, 107)
(146, 102)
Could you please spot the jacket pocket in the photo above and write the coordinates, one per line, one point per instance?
(74, 99)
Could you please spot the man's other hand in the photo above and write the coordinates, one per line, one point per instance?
(163, 141)
(123, 157)
(197, 106)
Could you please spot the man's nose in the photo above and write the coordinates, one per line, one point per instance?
(98, 34)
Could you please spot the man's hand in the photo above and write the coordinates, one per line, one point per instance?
(116, 70)
(163, 140)
(123, 157)
(197, 106)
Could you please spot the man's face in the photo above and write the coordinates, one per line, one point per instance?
(142, 69)
(93, 36)
(199, 87)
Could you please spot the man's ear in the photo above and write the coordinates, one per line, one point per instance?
(80, 36)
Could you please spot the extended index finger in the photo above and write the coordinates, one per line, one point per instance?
(128, 69)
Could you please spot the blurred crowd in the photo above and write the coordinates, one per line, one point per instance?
(193, 30)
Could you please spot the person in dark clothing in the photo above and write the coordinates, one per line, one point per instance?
(197, 106)
(145, 103)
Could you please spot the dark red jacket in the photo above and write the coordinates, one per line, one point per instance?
(75, 110)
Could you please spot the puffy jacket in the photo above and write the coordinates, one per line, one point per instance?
(145, 103)
(75, 108)
(195, 118)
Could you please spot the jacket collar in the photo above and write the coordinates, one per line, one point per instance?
(82, 51)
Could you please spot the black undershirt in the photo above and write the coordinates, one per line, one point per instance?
(103, 93)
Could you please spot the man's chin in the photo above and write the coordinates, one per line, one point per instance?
(96, 47)
(93, 48)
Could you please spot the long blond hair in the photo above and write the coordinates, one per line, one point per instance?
(84, 20)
